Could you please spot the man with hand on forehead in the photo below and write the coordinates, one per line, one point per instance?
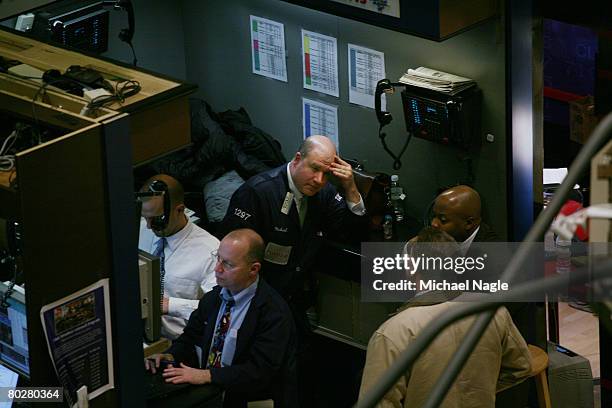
(293, 207)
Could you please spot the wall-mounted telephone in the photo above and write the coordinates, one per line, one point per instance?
(448, 119)
(451, 119)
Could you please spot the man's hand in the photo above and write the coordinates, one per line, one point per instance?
(186, 374)
(152, 363)
(344, 172)
(165, 305)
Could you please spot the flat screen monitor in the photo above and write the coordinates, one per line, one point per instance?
(14, 331)
(150, 294)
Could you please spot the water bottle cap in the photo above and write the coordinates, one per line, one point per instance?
(394, 177)
(388, 217)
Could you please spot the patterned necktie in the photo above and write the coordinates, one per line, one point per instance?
(159, 252)
(214, 358)
(302, 207)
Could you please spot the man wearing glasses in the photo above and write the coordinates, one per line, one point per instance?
(187, 268)
(245, 329)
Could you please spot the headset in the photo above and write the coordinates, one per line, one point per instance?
(158, 188)
(160, 222)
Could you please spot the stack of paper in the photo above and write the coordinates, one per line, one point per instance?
(436, 80)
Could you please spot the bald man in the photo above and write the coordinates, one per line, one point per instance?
(245, 329)
(188, 266)
(456, 211)
(293, 207)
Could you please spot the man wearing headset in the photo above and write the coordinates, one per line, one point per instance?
(184, 250)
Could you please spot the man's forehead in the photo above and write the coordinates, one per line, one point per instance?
(321, 162)
(444, 205)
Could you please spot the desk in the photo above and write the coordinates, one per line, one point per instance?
(342, 315)
(160, 394)
(159, 346)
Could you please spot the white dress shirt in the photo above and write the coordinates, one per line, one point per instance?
(465, 245)
(189, 270)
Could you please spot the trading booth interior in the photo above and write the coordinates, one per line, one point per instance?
(67, 205)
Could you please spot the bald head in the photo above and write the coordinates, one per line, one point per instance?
(317, 142)
(239, 259)
(456, 211)
(253, 242)
(311, 164)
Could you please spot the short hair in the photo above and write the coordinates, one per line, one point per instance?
(427, 241)
(175, 189)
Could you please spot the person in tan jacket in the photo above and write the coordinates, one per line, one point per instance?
(500, 359)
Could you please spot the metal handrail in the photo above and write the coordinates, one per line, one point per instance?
(598, 139)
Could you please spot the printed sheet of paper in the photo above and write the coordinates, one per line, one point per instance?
(8, 379)
(79, 339)
(366, 67)
(320, 63)
(320, 119)
(268, 48)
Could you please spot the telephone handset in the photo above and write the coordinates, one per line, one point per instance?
(384, 118)
(386, 86)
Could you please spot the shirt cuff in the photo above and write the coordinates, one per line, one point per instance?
(182, 308)
(357, 208)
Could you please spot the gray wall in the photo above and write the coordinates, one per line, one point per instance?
(158, 40)
(207, 43)
(218, 59)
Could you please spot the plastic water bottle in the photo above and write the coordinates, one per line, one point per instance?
(388, 227)
(397, 198)
(564, 255)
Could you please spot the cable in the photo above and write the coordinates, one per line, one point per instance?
(9, 290)
(397, 163)
(122, 91)
(7, 161)
(135, 61)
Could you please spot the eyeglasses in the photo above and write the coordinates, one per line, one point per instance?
(225, 263)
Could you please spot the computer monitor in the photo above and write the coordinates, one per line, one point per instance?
(150, 294)
(14, 331)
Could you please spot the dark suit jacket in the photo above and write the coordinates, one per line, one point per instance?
(486, 234)
(264, 361)
(257, 204)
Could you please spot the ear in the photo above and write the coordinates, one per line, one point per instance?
(255, 267)
(471, 223)
(297, 157)
(180, 208)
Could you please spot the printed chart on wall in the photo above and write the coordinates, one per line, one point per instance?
(78, 332)
(320, 63)
(320, 119)
(366, 68)
(268, 48)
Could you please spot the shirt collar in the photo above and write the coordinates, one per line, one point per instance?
(243, 296)
(465, 245)
(296, 193)
(173, 241)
